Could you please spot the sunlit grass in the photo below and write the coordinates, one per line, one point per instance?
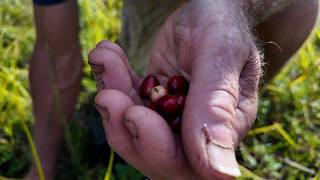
(17, 38)
(285, 142)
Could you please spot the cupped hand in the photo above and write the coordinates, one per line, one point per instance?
(210, 44)
(138, 134)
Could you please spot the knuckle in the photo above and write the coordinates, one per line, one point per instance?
(222, 113)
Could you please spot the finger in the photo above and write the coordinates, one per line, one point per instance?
(114, 47)
(112, 105)
(155, 142)
(108, 65)
(117, 49)
(111, 72)
(211, 114)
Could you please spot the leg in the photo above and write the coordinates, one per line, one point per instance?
(55, 76)
(289, 29)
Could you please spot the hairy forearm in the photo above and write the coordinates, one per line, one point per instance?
(219, 13)
(261, 10)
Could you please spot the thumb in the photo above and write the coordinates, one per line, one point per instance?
(219, 110)
(209, 116)
(208, 119)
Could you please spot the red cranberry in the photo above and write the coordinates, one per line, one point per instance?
(177, 85)
(152, 106)
(148, 83)
(167, 106)
(180, 101)
(175, 125)
(157, 93)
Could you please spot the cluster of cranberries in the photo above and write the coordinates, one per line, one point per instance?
(168, 102)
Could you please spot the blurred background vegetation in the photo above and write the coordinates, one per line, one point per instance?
(283, 144)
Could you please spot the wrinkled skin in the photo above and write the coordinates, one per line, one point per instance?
(211, 45)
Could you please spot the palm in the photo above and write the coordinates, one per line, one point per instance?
(155, 152)
(168, 56)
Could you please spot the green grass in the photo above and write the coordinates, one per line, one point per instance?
(283, 144)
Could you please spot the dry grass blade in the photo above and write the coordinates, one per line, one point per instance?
(34, 151)
(5, 178)
(278, 127)
(249, 174)
(298, 166)
(110, 165)
(260, 130)
(286, 135)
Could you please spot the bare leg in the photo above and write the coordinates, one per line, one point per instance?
(55, 76)
(289, 29)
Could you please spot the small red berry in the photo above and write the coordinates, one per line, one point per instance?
(167, 106)
(180, 101)
(177, 85)
(158, 92)
(152, 106)
(148, 83)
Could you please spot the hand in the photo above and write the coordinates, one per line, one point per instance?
(217, 54)
(138, 134)
(211, 45)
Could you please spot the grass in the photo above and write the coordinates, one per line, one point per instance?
(283, 144)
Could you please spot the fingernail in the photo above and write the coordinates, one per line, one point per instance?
(97, 69)
(104, 112)
(221, 153)
(100, 82)
(131, 126)
(223, 160)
